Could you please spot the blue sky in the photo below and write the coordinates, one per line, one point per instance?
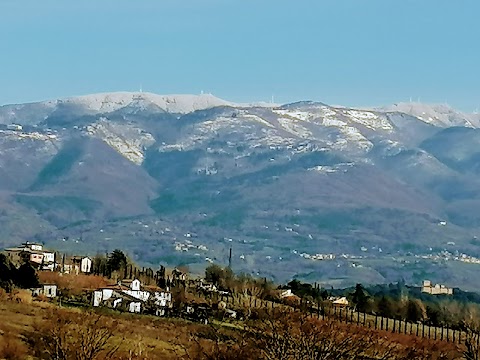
(349, 52)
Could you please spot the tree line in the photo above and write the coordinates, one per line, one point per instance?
(395, 301)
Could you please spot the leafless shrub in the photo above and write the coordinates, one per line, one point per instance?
(74, 336)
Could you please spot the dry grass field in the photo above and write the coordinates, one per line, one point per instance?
(38, 329)
(137, 337)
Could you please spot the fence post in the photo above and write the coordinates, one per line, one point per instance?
(429, 328)
(405, 327)
(376, 319)
(381, 323)
(358, 317)
(453, 338)
(423, 329)
(394, 322)
(386, 325)
(441, 336)
(447, 334)
(364, 319)
(417, 329)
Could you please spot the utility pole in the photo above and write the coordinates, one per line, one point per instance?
(230, 259)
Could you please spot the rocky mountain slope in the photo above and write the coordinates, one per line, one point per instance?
(328, 194)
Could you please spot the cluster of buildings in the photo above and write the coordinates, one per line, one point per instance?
(132, 296)
(188, 245)
(447, 255)
(318, 256)
(42, 259)
(437, 289)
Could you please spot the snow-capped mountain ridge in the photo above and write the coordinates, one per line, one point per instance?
(109, 102)
(344, 129)
(441, 115)
(339, 177)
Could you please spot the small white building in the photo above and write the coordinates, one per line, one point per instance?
(135, 289)
(15, 127)
(101, 295)
(286, 293)
(86, 265)
(48, 290)
(77, 265)
(34, 246)
(340, 302)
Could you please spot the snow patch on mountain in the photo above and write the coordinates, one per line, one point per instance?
(294, 128)
(20, 135)
(440, 115)
(297, 115)
(130, 141)
(257, 119)
(109, 102)
(369, 120)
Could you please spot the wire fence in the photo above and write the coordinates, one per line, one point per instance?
(453, 334)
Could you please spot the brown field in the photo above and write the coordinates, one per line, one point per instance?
(26, 323)
(147, 337)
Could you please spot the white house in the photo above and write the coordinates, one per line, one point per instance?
(102, 295)
(48, 262)
(82, 264)
(340, 302)
(77, 265)
(117, 298)
(131, 296)
(34, 253)
(86, 265)
(48, 290)
(163, 298)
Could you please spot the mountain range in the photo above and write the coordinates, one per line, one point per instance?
(322, 193)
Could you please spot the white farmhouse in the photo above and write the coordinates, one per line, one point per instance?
(130, 296)
(48, 290)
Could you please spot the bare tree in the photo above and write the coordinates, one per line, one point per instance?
(74, 336)
(472, 341)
